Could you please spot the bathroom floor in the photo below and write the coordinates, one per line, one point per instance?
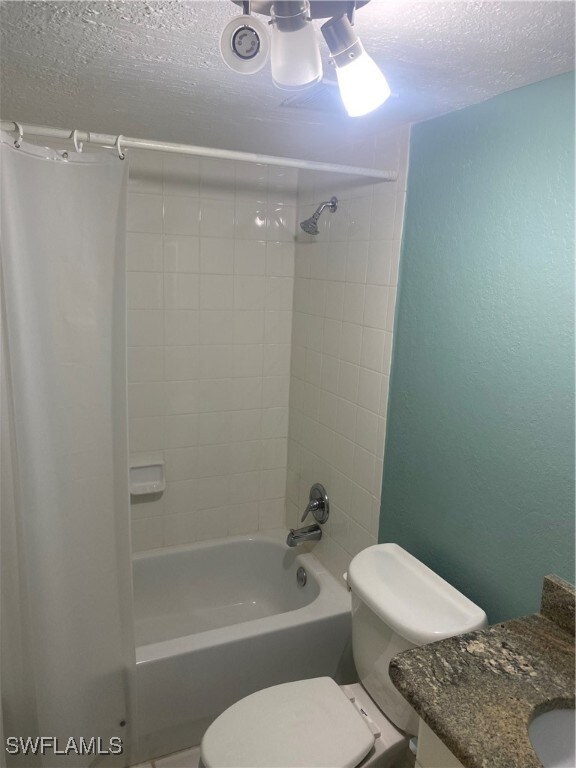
(187, 759)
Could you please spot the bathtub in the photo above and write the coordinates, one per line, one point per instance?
(219, 620)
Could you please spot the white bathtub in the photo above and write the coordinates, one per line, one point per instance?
(219, 620)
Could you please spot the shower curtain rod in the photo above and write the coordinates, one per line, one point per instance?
(127, 142)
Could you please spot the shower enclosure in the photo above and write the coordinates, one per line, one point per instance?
(246, 389)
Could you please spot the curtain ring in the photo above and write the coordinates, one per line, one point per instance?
(18, 141)
(78, 145)
(121, 154)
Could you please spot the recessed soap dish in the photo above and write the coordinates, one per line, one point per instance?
(147, 478)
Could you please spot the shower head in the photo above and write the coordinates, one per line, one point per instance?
(310, 226)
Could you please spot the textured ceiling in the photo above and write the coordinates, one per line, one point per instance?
(152, 69)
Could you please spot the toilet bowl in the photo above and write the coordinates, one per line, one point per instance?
(397, 603)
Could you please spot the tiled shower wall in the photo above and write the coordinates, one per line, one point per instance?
(344, 302)
(210, 293)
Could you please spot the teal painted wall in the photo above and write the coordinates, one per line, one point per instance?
(479, 464)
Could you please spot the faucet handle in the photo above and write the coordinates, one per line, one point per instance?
(312, 507)
(318, 504)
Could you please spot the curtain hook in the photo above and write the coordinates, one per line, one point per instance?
(121, 154)
(78, 145)
(18, 141)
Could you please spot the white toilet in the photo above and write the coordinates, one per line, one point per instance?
(397, 603)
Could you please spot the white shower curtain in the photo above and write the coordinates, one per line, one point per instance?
(67, 651)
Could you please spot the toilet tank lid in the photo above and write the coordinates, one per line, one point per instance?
(413, 600)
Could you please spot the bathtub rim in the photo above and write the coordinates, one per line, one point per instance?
(332, 599)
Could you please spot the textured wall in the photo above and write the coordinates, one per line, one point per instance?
(479, 469)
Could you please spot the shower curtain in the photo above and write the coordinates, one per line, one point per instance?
(66, 644)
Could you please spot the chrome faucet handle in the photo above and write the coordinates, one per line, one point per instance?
(318, 504)
(312, 507)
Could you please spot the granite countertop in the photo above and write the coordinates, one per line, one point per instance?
(479, 691)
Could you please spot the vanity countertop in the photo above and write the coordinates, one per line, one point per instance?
(479, 691)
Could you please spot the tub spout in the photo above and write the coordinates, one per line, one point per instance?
(306, 533)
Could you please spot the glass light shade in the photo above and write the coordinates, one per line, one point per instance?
(363, 87)
(295, 58)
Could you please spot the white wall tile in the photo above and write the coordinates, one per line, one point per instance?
(142, 507)
(275, 391)
(334, 300)
(279, 292)
(181, 431)
(376, 306)
(181, 463)
(382, 226)
(181, 363)
(237, 288)
(249, 425)
(181, 253)
(144, 213)
(357, 262)
(277, 327)
(181, 175)
(250, 220)
(181, 327)
(181, 291)
(145, 170)
(274, 423)
(181, 215)
(271, 513)
(147, 534)
(216, 256)
(248, 326)
(281, 222)
(245, 456)
(146, 433)
(218, 179)
(344, 303)
(217, 218)
(146, 398)
(247, 360)
(211, 256)
(247, 393)
(242, 518)
(369, 389)
(250, 257)
(181, 397)
(354, 295)
(216, 292)
(216, 327)
(143, 252)
(144, 290)
(276, 360)
(249, 292)
(252, 180)
(146, 363)
(280, 259)
(372, 352)
(145, 327)
(351, 342)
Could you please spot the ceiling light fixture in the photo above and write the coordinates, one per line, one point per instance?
(294, 53)
(295, 58)
(362, 85)
(244, 44)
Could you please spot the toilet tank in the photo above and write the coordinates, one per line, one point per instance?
(399, 603)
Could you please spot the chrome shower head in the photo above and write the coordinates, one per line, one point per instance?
(310, 226)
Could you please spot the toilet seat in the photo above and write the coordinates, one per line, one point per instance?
(299, 724)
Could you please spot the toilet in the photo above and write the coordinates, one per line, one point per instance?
(397, 603)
